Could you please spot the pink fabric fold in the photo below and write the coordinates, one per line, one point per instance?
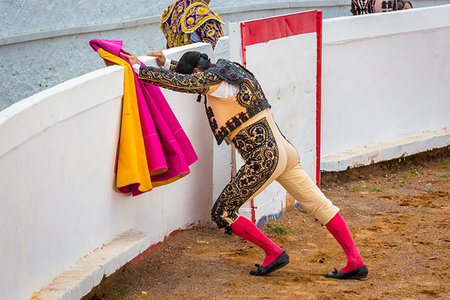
(168, 150)
(111, 46)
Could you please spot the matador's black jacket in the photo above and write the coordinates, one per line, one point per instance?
(224, 115)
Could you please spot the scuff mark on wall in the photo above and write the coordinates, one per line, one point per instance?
(269, 218)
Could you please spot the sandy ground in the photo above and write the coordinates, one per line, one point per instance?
(398, 213)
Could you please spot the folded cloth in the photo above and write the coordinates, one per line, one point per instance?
(153, 149)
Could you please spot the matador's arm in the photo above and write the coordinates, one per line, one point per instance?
(197, 83)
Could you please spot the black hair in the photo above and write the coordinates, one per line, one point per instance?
(204, 63)
(191, 60)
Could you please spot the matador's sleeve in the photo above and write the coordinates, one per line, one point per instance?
(197, 83)
(210, 32)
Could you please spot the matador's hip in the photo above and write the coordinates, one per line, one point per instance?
(268, 156)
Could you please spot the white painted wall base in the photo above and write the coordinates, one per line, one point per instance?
(88, 272)
(384, 151)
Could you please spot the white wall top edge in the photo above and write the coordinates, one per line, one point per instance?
(279, 5)
(177, 52)
(56, 104)
(370, 154)
(61, 102)
(335, 30)
(77, 280)
(150, 20)
(386, 145)
(26, 103)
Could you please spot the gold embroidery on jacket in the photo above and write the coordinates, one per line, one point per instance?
(251, 97)
(198, 83)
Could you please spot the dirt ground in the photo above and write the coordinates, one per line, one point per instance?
(397, 211)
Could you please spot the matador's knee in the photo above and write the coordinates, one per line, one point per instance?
(221, 217)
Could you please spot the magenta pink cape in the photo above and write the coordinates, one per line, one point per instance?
(168, 150)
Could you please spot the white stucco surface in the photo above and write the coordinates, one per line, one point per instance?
(57, 159)
(46, 42)
(385, 77)
(21, 17)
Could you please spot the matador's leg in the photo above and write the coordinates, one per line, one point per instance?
(297, 182)
(263, 163)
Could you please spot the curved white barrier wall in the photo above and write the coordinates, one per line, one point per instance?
(385, 77)
(31, 32)
(57, 156)
(385, 84)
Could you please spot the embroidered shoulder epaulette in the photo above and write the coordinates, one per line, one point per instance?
(167, 12)
(195, 15)
(229, 71)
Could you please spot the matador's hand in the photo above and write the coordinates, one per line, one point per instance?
(160, 58)
(131, 57)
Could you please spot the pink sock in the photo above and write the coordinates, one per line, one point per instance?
(247, 230)
(338, 228)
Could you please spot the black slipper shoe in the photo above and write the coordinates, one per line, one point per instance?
(357, 273)
(279, 262)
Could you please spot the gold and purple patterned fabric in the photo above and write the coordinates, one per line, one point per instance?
(363, 7)
(188, 21)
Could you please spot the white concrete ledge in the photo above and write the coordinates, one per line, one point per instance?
(49, 107)
(335, 30)
(88, 272)
(370, 154)
(93, 89)
(280, 5)
(153, 20)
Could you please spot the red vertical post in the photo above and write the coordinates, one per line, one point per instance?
(267, 29)
(244, 63)
(243, 45)
(318, 93)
